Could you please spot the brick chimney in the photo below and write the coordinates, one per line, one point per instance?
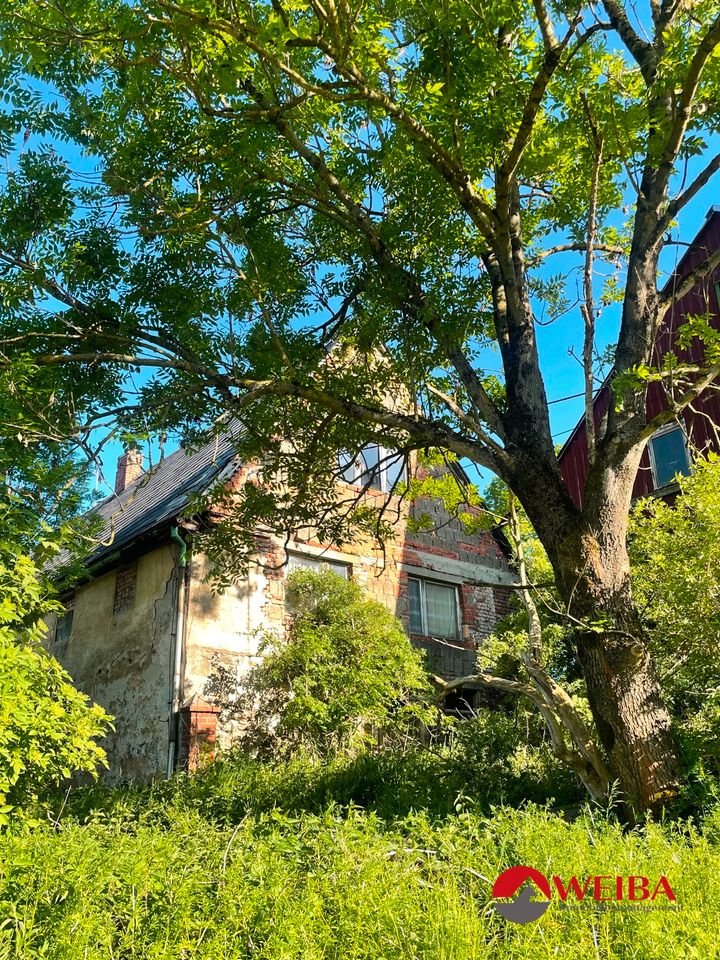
(129, 468)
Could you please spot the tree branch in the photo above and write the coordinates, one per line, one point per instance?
(686, 284)
(676, 205)
(642, 51)
(588, 307)
(579, 247)
(667, 416)
(684, 103)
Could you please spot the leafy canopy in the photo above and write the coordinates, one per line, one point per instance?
(204, 198)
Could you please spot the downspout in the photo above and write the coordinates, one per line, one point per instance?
(178, 652)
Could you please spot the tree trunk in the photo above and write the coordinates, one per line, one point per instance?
(625, 697)
(588, 553)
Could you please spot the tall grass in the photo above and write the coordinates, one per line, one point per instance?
(342, 885)
(391, 783)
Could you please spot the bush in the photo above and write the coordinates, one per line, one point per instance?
(48, 729)
(344, 670)
(675, 554)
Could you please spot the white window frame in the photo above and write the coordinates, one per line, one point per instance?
(357, 468)
(669, 428)
(423, 605)
(324, 563)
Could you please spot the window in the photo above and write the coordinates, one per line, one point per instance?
(300, 561)
(125, 588)
(434, 609)
(668, 456)
(382, 468)
(63, 627)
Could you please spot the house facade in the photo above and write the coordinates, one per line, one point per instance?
(669, 451)
(145, 635)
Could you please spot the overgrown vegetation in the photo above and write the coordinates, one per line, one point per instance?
(48, 729)
(675, 553)
(484, 762)
(338, 840)
(349, 885)
(344, 671)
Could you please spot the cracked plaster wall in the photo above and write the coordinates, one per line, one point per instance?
(123, 662)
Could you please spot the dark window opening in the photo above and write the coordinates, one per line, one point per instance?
(460, 703)
(668, 456)
(63, 627)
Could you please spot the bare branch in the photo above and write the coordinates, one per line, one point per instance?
(588, 307)
(687, 283)
(578, 248)
(676, 205)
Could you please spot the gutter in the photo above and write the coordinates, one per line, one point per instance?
(178, 652)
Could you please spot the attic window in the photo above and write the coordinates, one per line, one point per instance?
(125, 589)
(63, 627)
(668, 456)
(376, 466)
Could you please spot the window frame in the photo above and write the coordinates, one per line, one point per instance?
(324, 562)
(384, 458)
(663, 431)
(455, 587)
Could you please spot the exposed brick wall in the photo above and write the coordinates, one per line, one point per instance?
(224, 631)
(125, 589)
(198, 732)
(474, 563)
(503, 601)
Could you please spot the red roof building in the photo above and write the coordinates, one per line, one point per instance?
(670, 450)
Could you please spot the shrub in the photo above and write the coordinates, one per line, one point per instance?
(48, 729)
(675, 554)
(344, 671)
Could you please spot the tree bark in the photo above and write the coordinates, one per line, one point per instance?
(588, 553)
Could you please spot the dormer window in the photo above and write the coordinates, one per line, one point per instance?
(668, 455)
(374, 465)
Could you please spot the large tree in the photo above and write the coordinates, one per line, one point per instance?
(266, 181)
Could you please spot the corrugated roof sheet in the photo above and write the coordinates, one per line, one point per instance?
(161, 494)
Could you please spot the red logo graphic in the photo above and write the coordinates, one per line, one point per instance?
(523, 894)
(523, 908)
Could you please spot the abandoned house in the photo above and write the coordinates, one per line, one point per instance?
(697, 428)
(144, 634)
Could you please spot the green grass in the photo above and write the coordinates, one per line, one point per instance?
(342, 884)
(391, 783)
